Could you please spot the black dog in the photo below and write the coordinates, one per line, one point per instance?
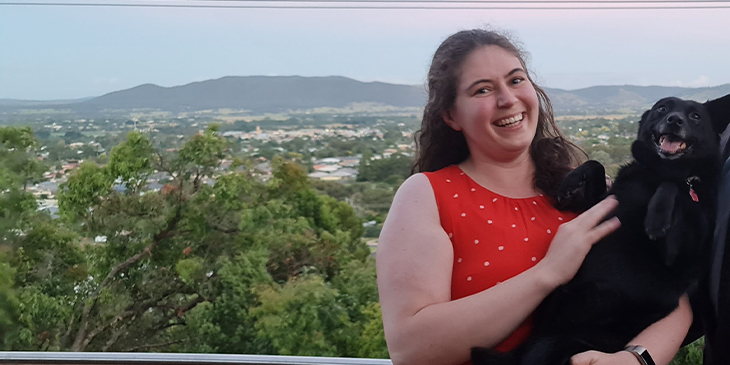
(635, 276)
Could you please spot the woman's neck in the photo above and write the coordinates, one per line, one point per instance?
(513, 178)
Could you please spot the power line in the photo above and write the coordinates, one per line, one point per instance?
(486, 5)
(480, 1)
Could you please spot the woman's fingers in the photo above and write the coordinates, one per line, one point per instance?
(593, 216)
(603, 229)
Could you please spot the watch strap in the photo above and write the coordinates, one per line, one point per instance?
(641, 354)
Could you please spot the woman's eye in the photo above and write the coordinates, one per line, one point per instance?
(482, 91)
(517, 80)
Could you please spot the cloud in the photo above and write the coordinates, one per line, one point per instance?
(701, 81)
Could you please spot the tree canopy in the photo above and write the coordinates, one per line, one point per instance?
(213, 261)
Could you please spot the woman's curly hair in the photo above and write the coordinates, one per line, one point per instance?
(438, 145)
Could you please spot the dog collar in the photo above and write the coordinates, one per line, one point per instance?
(692, 193)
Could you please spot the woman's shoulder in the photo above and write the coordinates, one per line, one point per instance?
(425, 184)
(416, 186)
(446, 172)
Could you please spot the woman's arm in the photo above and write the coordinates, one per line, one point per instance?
(662, 340)
(414, 265)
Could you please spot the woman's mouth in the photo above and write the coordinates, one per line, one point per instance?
(509, 122)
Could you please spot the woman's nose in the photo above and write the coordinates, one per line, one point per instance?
(506, 98)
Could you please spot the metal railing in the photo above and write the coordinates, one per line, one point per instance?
(137, 358)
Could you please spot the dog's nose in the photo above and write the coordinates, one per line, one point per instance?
(675, 119)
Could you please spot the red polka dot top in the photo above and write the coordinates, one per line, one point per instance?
(494, 237)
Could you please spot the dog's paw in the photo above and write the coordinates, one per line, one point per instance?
(657, 230)
(582, 187)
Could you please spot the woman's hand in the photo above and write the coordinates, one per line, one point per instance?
(602, 358)
(574, 239)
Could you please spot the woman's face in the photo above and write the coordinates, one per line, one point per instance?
(496, 106)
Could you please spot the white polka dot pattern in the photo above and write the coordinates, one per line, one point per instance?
(462, 197)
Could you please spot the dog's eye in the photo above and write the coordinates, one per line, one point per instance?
(695, 116)
(662, 109)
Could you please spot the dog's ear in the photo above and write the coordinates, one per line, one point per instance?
(643, 116)
(719, 110)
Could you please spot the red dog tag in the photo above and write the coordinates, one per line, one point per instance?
(693, 195)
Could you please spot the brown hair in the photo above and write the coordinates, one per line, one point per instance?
(438, 145)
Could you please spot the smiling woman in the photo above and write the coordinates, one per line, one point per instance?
(472, 244)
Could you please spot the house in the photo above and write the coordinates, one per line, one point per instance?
(326, 168)
(344, 174)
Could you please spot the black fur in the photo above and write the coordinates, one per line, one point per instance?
(635, 276)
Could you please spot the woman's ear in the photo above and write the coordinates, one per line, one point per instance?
(450, 120)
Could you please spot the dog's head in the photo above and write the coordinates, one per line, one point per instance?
(679, 129)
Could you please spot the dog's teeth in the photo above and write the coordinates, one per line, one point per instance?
(661, 139)
(682, 146)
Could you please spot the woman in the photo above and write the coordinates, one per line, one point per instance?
(471, 245)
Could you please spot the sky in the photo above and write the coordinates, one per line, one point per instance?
(68, 52)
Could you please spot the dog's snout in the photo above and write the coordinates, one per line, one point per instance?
(675, 118)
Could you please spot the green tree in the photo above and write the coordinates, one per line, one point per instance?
(18, 154)
(215, 261)
(8, 304)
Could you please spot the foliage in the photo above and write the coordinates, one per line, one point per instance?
(8, 304)
(690, 354)
(395, 168)
(214, 261)
(18, 168)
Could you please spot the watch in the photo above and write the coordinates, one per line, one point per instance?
(641, 354)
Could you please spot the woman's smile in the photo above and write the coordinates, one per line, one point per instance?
(510, 122)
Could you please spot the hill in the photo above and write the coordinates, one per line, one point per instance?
(260, 94)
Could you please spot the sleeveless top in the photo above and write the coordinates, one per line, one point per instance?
(494, 237)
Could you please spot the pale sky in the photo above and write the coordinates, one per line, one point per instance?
(64, 52)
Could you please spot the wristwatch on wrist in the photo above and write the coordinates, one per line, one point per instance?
(641, 354)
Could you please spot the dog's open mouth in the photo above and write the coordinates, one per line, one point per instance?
(671, 145)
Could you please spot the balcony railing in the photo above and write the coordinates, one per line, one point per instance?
(137, 358)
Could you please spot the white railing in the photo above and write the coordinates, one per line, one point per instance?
(139, 358)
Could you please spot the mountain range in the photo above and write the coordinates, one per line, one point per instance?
(260, 94)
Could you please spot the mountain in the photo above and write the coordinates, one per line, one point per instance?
(284, 93)
(38, 103)
(260, 94)
(626, 97)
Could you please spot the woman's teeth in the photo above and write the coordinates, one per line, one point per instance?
(509, 121)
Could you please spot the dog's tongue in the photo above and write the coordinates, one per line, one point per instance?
(670, 146)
